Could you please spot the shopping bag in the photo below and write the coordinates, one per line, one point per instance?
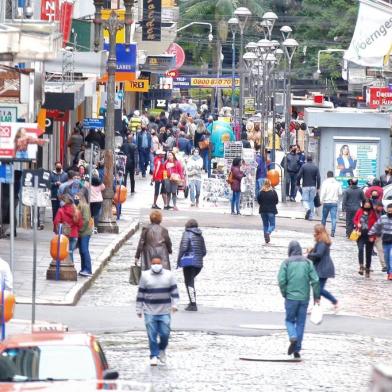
(316, 317)
(355, 234)
(134, 275)
(317, 202)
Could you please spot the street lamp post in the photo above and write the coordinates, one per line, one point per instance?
(289, 45)
(242, 14)
(233, 24)
(98, 25)
(128, 4)
(107, 223)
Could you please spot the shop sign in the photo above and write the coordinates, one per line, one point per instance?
(249, 106)
(66, 12)
(50, 10)
(204, 82)
(139, 85)
(179, 53)
(172, 74)
(8, 114)
(126, 57)
(379, 96)
(93, 123)
(57, 115)
(160, 63)
(152, 10)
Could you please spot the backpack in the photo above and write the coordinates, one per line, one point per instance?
(230, 178)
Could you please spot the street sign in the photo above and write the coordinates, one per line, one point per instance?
(28, 191)
(172, 74)
(90, 123)
(120, 94)
(140, 85)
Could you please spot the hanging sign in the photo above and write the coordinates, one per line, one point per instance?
(50, 10)
(152, 10)
(139, 85)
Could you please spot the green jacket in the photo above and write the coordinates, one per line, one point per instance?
(295, 276)
(86, 215)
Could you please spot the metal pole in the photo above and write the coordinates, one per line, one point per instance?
(35, 216)
(273, 118)
(233, 80)
(128, 4)
(241, 76)
(12, 217)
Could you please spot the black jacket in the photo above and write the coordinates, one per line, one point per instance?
(131, 152)
(293, 163)
(192, 241)
(310, 175)
(320, 255)
(352, 198)
(268, 201)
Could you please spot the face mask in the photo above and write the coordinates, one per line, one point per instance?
(367, 208)
(156, 268)
(374, 197)
(58, 169)
(389, 214)
(76, 202)
(196, 154)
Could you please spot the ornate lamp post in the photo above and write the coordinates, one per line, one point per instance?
(128, 4)
(98, 25)
(233, 24)
(242, 14)
(107, 223)
(249, 59)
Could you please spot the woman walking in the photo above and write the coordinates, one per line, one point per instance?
(71, 219)
(96, 199)
(194, 168)
(364, 220)
(235, 183)
(174, 176)
(320, 255)
(268, 199)
(84, 235)
(154, 240)
(192, 243)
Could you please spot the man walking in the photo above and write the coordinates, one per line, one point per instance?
(156, 297)
(293, 167)
(57, 177)
(130, 151)
(383, 228)
(75, 145)
(144, 147)
(310, 176)
(353, 197)
(331, 190)
(295, 276)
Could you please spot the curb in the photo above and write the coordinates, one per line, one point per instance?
(74, 295)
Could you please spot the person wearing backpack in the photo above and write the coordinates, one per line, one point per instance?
(192, 244)
(234, 179)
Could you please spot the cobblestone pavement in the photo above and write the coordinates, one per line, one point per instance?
(206, 362)
(240, 273)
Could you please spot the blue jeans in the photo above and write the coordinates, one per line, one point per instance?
(194, 188)
(85, 258)
(326, 294)
(295, 320)
(157, 325)
(206, 161)
(308, 194)
(144, 158)
(72, 246)
(259, 184)
(333, 209)
(268, 222)
(388, 257)
(235, 202)
(291, 185)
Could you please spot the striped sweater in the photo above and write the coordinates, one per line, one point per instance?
(157, 293)
(383, 228)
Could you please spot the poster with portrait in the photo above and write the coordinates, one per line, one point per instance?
(355, 159)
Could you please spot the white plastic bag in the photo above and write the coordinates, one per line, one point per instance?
(316, 317)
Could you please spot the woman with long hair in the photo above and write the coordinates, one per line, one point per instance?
(235, 183)
(268, 199)
(320, 255)
(346, 163)
(364, 220)
(71, 219)
(173, 176)
(96, 199)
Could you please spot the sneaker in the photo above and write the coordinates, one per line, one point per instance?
(307, 215)
(84, 273)
(95, 231)
(155, 207)
(192, 204)
(166, 208)
(291, 348)
(191, 308)
(297, 355)
(154, 361)
(162, 356)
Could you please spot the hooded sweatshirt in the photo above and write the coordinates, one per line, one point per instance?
(65, 215)
(296, 274)
(192, 242)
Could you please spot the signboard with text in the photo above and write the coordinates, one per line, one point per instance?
(139, 85)
(159, 64)
(8, 114)
(249, 105)
(379, 96)
(93, 123)
(204, 82)
(50, 10)
(152, 10)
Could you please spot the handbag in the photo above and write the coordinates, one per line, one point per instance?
(187, 260)
(135, 274)
(317, 202)
(355, 234)
(203, 144)
(316, 316)
(176, 178)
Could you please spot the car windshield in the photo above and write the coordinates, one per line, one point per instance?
(48, 363)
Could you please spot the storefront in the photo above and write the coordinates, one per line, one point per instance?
(350, 142)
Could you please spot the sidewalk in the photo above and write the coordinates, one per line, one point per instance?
(102, 247)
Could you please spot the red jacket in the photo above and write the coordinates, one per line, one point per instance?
(237, 177)
(378, 189)
(177, 169)
(371, 221)
(157, 175)
(66, 215)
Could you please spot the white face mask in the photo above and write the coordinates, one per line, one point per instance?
(156, 268)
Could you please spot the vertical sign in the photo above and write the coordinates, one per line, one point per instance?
(50, 10)
(66, 20)
(152, 10)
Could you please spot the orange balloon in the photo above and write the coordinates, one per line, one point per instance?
(9, 305)
(54, 247)
(121, 194)
(274, 176)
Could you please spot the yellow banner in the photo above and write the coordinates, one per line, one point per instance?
(120, 37)
(139, 85)
(214, 82)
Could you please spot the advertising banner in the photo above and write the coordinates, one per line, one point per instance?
(379, 96)
(66, 12)
(355, 159)
(204, 82)
(372, 36)
(139, 85)
(50, 10)
(19, 141)
(8, 114)
(152, 10)
(126, 57)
